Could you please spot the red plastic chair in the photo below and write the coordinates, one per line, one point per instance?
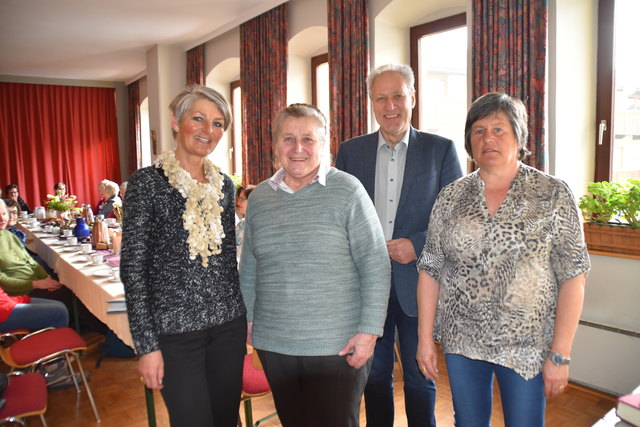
(254, 384)
(25, 396)
(45, 346)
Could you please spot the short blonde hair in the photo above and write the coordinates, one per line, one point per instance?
(111, 186)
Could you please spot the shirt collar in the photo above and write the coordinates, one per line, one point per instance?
(277, 180)
(404, 139)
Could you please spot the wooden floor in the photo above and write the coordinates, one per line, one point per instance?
(120, 400)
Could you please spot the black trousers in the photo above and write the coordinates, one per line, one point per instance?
(314, 391)
(203, 375)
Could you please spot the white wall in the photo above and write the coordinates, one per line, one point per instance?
(298, 79)
(306, 13)
(572, 91)
(607, 359)
(166, 77)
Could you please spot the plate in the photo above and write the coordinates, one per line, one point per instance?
(67, 248)
(112, 280)
(103, 273)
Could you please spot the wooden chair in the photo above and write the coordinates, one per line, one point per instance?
(254, 384)
(25, 396)
(45, 346)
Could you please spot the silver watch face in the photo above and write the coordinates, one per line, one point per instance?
(559, 359)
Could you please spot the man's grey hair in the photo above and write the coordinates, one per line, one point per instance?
(403, 69)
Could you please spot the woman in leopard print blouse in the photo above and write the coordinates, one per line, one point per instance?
(502, 275)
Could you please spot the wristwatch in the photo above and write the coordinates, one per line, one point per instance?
(558, 359)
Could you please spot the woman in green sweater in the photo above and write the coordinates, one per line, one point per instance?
(19, 273)
(314, 274)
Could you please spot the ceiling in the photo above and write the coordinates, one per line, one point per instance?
(107, 40)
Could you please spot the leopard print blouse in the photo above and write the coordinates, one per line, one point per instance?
(499, 276)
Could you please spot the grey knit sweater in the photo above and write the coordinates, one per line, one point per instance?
(314, 269)
(165, 291)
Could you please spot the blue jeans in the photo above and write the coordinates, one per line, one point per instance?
(523, 402)
(38, 314)
(419, 392)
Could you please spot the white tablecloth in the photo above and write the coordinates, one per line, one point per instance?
(82, 278)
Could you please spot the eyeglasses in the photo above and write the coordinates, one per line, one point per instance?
(13, 213)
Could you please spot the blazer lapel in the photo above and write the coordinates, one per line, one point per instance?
(369, 159)
(412, 167)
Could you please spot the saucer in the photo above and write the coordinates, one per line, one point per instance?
(103, 273)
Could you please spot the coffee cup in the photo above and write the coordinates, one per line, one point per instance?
(71, 241)
(56, 230)
(116, 273)
(48, 228)
(97, 258)
(67, 232)
(23, 214)
(111, 221)
(86, 248)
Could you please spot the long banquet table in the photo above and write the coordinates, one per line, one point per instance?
(82, 278)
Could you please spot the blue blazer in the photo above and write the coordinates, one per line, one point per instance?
(432, 163)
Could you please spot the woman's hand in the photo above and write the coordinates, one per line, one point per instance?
(427, 358)
(46, 283)
(151, 369)
(555, 378)
(359, 349)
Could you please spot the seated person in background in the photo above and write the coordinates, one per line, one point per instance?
(19, 272)
(123, 189)
(13, 208)
(24, 312)
(60, 188)
(108, 191)
(242, 195)
(13, 194)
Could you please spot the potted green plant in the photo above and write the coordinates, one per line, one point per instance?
(612, 217)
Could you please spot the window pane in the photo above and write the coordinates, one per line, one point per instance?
(626, 122)
(443, 86)
(237, 130)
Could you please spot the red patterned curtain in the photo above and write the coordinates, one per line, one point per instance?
(348, 22)
(57, 133)
(135, 135)
(509, 55)
(195, 65)
(263, 82)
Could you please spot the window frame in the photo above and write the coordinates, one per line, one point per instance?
(604, 90)
(316, 61)
(415, 34)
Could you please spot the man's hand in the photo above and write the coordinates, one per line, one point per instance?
(401, 250)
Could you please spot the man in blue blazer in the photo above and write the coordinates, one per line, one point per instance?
(403, 171)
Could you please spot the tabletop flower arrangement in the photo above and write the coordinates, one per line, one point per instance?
(117, 211)
(60, 203)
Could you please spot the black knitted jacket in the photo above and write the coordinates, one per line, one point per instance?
(165, 291)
